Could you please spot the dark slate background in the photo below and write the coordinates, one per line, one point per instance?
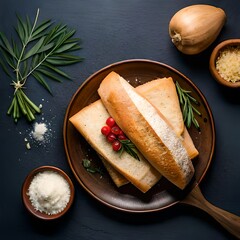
(111, 31)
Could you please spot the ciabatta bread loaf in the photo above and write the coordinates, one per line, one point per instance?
(89, 122)
(147, 128)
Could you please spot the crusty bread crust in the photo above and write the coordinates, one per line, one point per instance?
(147, 129)
(89, 124)
(189, 145)
(162, 94)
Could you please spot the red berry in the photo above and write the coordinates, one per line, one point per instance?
(116, 130)
(116, 145)
(111, 137)
(105, 130)
(122, 137)
(121, 132)
(110, 122)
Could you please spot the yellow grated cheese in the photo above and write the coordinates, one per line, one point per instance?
(228, 64)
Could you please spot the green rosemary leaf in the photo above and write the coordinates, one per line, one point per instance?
(56, 70)
(35, 60)
(74, 48)
(68, 34)
(65, 35)
(184, 108)
(21, 103)
(188, 110)
(24, 68)
(65, 56)
(185, 91)
(15, 49)
(66, 47)
(196, 124)
(189, 118)
(121, 151)
(20, 32)
(34, 49)
(196, 111)
(180, 95)
(28, 25)
(74, 40)
(10, 109)
(40, 30)
(61, 61)
(4, 67)
(130, 148)
(8, 58)
(28, 101)
(71, 40)
(192, 98)
(23, 30)
(15, 109)
(49, 74)
(41, 80)
(45, 48)
(55, 32)
(6, 45)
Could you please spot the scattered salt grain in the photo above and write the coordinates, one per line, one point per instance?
(39, 130)
(28, 146)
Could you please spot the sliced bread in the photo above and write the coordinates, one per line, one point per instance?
(147, 128)
(162, 94)
(89, 122)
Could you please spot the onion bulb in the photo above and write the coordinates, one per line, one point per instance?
(194, 28)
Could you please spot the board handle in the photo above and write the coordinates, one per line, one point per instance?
(228, 220)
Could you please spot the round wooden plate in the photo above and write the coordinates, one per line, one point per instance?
(101, 187)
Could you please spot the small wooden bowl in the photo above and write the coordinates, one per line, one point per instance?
(212, 63)
(27, 202)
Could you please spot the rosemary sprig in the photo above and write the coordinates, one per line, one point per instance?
(130, 148)
(42, 49)
(188, 110)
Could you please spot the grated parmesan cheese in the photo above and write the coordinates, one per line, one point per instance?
(49, 192)
(228, 64)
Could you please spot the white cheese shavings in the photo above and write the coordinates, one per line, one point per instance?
(49, 192)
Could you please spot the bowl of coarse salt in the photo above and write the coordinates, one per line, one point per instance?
(224, 63)
(47, 192)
